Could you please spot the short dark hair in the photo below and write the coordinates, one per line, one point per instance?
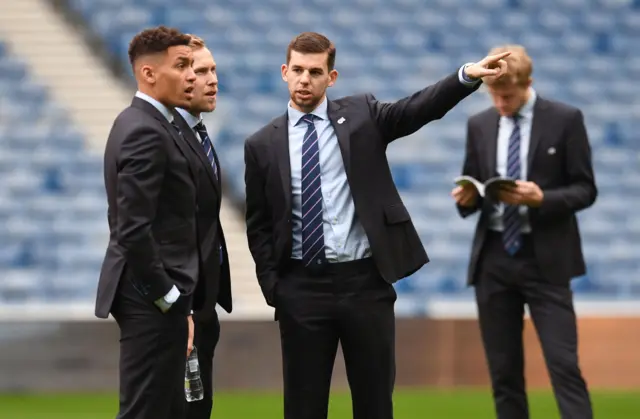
(313, 43)
(155, 40)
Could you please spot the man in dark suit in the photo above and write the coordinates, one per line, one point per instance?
(215, 283)
(527, 243)
(152, 263)
(327, 229)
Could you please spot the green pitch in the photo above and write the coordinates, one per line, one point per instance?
(424, 404)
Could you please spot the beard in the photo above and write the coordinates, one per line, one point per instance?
(307, 105)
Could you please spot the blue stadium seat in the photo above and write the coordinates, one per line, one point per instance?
(49, 180)
(392, 48)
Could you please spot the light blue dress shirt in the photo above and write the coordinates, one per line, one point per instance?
(159, 106)
(505, 129)
(191, 120)
(344, 236)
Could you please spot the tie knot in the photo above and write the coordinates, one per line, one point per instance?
(200, 127)
(308, 118)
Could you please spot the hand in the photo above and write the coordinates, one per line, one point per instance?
(524, 193)
(490, 66)
(465, 196)
(162, 304)
(191, 331)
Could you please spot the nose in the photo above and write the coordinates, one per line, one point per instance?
(305, 77)
(214, 79)
(191, 75)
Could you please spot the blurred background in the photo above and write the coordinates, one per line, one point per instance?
(64, 76)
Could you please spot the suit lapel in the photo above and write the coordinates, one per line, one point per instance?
(490, 139)
(280, 141)
(340, 124)
(196, 146)
(537, 126)
(182, 145)
(215, 158)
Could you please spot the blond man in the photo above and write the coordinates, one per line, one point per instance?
(214, 272)
(527, 243)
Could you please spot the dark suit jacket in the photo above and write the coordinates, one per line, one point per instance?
(368, 127)
(565, 177)
(214, 285)
(151, 191)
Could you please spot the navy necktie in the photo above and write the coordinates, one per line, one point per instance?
(208, 147)
(312, 227)
(512, 234)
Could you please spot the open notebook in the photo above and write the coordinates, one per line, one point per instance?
(488, 188)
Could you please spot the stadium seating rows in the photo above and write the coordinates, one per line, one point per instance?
(583, 55)
(51, 197)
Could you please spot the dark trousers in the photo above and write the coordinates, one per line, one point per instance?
(153, 350)
(504, 285)
(205, 338)
(348, 303)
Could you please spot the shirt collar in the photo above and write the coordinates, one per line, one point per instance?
(192, 121)
(159, 106)
(295, 115)
(526, 111)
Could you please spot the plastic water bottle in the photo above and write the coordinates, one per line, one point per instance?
(192, 383)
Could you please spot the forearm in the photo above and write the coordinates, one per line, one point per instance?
(259, 225)
(465, 212)
(140, 178)
(408, 115)
(567, 200)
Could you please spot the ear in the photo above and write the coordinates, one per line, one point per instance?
(333, 76)
(530, 82)
(283, 71)
(148, 74)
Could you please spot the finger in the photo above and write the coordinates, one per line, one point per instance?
(501, 66)
(456, 191)
(489, 72)
(497, 57)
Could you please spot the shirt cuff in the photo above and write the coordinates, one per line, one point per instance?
(464, 79)
(172, 295)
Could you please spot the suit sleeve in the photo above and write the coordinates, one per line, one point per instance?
(470, 167)
(408, 115)
(580, 191)
(141, 169)
(259, 226)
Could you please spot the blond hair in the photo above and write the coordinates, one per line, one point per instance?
(520, 66)
(196, 42)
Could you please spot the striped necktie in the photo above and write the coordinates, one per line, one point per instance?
(208, 149)
(512, 234)
(312, 227)
(206, 144)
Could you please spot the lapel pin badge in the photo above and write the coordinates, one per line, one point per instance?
(341, 120)
(551, 150)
